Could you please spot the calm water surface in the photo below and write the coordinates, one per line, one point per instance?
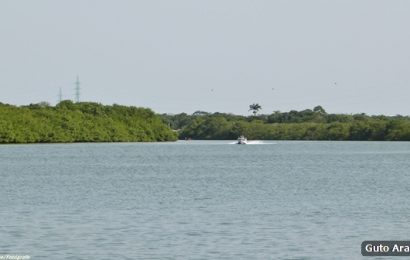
(202, 200)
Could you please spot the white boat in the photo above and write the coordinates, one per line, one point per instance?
(242, 140)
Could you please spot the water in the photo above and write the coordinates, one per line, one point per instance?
(202, 200)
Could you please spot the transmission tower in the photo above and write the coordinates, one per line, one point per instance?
(77, 90)
(60, 95)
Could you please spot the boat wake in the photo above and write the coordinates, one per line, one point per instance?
(256, 142)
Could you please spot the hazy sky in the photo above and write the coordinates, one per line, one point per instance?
(349, 56)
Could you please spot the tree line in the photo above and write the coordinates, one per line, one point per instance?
(308, 124)
(92, 122)
(80, 122)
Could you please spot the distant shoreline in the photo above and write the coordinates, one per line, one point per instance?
(202, 140)
(83, 122)
(88, 122)
(309, 124)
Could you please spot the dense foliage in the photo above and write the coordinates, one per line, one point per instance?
(309, 124)
(80, 122)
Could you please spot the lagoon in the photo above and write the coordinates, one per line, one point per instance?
(202, 199)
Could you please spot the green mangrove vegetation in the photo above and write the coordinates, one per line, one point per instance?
(308, 124)
(80, 122)
(92, 122)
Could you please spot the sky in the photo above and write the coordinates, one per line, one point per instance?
(349, 56)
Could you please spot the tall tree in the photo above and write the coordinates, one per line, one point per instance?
(255, 107)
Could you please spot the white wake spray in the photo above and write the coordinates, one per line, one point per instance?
(256, 142)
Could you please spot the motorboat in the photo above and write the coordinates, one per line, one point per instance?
(242, 140)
